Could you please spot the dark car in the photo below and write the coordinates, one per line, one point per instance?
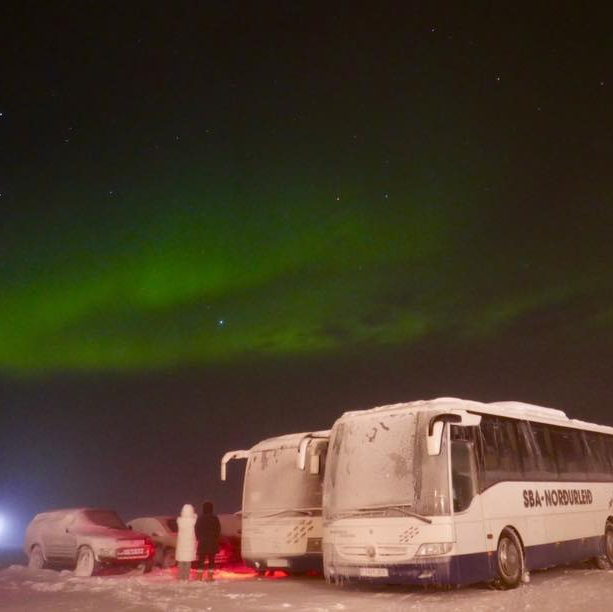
(163, 531)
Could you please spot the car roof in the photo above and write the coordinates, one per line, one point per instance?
(68, 511)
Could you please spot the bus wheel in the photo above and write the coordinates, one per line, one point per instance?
(601, 562)
(608, 542)
(510, 559)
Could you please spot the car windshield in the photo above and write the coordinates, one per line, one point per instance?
(378, 464)
(171, 523)
(105, 518)
(275, 485)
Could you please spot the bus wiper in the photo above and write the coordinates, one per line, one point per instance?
(402, 508)
(304, 511)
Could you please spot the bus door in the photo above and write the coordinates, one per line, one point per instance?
(467, 510)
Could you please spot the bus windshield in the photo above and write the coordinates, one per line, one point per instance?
(379, 464)
(275, 486)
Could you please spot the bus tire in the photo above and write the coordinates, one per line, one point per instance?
(608, 542)
(600, 562)
(509, 559)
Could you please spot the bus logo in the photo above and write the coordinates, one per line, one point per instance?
(558, 497)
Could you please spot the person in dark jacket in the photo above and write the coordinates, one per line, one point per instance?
(207, 530)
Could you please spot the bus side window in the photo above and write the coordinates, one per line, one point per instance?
(500, 451)
(608, 443)
(540, 433)
(528, 452)
(599, 467)
(569, 453)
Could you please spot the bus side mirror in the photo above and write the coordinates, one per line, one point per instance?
(435, 438)
(239, 454)
(314, 464)
(437, 424)
(317, 437)
(302, 449)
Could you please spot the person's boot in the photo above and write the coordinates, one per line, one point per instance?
(209, 575)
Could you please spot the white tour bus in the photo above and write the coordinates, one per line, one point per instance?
(450, 491)
(282, 491)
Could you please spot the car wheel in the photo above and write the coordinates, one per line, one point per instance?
(168, 559)
(86, 562)
(145, 568)
(36, 559)
(510, 559)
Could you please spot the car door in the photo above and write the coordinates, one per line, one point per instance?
(49, 531)
(59, 542)
(69, 534)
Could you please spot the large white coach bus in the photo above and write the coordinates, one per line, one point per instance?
(450, 491)
(282, 492)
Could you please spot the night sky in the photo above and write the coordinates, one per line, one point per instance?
(222, 222)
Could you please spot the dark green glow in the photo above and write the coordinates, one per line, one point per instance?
(291, 282)
(145, 285)
(324, 184)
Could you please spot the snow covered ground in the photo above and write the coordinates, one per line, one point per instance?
(21, 589)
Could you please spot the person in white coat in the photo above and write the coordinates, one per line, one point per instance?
(185, 552)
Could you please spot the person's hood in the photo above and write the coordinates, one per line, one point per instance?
(188, 511)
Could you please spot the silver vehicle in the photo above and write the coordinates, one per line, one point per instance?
(163, 531)
(85, 539)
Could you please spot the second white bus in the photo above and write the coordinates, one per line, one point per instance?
(452, 492)
(282, 491)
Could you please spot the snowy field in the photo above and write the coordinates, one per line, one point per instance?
(21, 589)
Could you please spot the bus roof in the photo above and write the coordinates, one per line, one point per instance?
(286, 441)
(516, 410)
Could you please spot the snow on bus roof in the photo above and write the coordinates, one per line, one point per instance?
(523, 409)
(520, 410)
(286, 441)
(546, 415)
(433, 403)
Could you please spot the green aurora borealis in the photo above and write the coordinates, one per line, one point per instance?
(318, 197)
(284, 270)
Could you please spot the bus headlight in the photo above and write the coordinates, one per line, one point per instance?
(434, 549)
